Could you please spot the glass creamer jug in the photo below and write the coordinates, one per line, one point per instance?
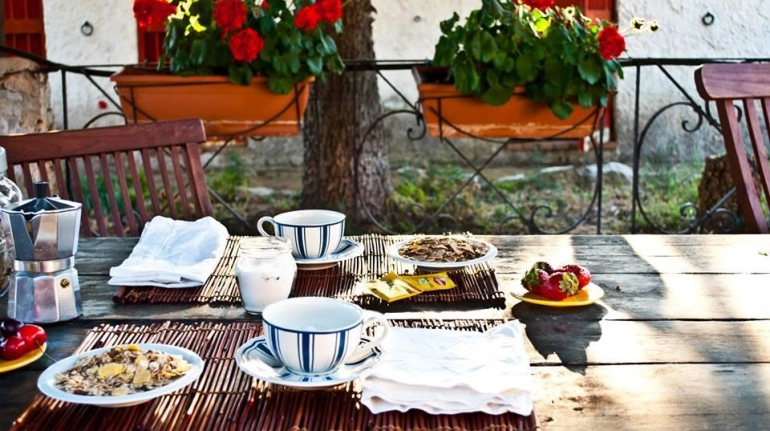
(266, 271)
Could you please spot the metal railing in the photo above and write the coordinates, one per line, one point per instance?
(694, 219)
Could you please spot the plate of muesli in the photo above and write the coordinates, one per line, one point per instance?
(121, 376)
(447, 252)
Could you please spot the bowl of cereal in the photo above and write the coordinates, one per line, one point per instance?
(121, 376)
(446, 252)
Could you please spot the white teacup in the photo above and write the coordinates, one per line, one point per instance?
(312, 233)
(315, 335)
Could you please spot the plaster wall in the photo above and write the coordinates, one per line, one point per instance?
(113, 41)
(739, 30)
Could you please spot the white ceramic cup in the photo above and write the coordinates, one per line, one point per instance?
(314, 335)
(312, 233)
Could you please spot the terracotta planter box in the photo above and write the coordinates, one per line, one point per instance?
(465, 115)
(226, 109)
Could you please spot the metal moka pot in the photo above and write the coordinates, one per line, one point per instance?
(43, 232)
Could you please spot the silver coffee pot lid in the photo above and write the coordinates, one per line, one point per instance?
(44, 227)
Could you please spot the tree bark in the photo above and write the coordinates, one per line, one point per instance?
(341, 111)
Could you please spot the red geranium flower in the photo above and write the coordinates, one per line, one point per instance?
(230, 14)
(246, 45)
(539, 4)
(148, 12)
(611, 43)
(307, 18)
(265, 5)
(331, 10)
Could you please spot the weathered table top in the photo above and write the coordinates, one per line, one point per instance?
(679, 342)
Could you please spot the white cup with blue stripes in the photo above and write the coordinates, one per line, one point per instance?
(313, 234)
(315, 335)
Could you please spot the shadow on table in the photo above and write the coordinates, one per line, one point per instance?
(566, 332)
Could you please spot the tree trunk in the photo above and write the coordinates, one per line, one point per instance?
(340, 112)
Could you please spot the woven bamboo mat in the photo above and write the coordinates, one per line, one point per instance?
(476, 285)
(224, 398)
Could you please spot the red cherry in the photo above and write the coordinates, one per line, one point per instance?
(33, 335)
(14, 348)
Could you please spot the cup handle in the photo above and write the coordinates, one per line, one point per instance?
(262, 221)
(364, 350)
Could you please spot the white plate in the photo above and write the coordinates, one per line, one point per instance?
(255, 359)
(491, 253)
(46, 381)
(347, 249)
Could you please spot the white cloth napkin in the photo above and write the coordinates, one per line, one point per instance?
(173, 253)
(448, 372)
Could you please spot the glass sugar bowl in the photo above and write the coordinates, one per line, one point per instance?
(9, 194)
(266, 271)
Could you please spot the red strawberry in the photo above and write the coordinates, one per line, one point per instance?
(560, 285)
(545, 266)
(582, 274)
(534, 279)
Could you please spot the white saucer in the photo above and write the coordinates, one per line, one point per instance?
(255, 359)
(347, 249)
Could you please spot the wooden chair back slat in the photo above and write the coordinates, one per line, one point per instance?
(96, 155)
(757, 143)
(144, 215)
(60, 181)
(77, 190)
(93, 189)
(197, 180)
(27, 183)
(150, 177)
(43, 169)
(111, 197)
(725, 84)
(133, 226)
(177, 165)
(170, 193)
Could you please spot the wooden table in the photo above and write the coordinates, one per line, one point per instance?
(681, 340)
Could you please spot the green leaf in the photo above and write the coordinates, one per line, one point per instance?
(446, 50)
(280, 84)
(525, 68)
(497, 93)
(488, 47)
(197, 52)
(585, 100)
(590, 69)
(315, 65)
(561, 108)
(240, 74)
(293, 60)
(503, 62)
(467, 79)
(447, 25)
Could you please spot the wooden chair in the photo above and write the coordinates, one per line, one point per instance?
(749, 83)
(123, 176)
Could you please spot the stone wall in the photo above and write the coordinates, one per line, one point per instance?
(24, 97)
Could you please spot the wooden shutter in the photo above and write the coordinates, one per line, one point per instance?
(150, 41)
(23, 25)
(601, 9)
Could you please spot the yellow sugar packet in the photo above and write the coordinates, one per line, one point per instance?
(390, 292)
(423, 282)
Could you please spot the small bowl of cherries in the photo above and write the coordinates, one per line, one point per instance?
(20, 342)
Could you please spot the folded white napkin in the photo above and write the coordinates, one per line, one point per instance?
(173, 253)
(448, 372)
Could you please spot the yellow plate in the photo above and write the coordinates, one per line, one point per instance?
(588, 295)
(27, 359)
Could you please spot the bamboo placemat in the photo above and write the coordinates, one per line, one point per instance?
(477, 285)
(224, 398)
